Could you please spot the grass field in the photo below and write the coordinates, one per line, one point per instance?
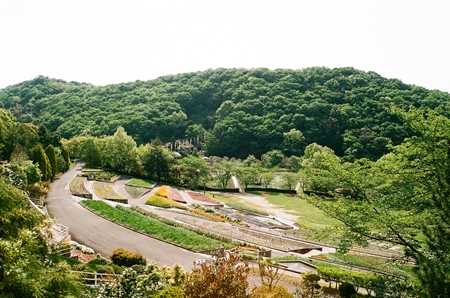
(239, 204)
(136, 182)
(311, 219)
(105, 191)
(155, 228)
(135, 192)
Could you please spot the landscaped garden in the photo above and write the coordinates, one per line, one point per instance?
(105, 191)
(313, 222)
(99, 175)
(155, 228)
(163, 202)
(136, 192)
(77, 187)
(239, 204)
(137, 182)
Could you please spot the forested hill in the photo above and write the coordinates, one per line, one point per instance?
(243, 111)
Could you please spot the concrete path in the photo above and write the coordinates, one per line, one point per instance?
(104, 236)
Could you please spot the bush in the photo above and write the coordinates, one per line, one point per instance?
(223, 277)
(123, 257)
(274, 292)
(346, 290)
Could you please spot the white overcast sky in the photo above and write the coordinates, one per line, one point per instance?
(109, 41)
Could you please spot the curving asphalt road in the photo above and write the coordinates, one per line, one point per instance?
(104, 236)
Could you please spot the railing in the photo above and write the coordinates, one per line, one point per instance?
(94, 279)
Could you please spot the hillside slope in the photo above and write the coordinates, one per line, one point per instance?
(244, 111)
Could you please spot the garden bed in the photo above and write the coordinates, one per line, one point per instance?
(99, 175)
(141, 183)
(105, 191)
(78, 189)
(136, 192)
(196, 196)
(155, 228)
(163, 202)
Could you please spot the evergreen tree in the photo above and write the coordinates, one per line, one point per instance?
(50, 151)
(66, 156)
(40, 157)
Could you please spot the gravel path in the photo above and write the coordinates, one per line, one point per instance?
(104, 236)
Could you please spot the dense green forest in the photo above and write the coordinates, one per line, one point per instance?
(238, 112)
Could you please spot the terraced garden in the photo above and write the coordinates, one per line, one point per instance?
(156, 228)
(313, 222)
(77, 187)
(105, 191)
(136, 192)
(239, 204)
(136, 182)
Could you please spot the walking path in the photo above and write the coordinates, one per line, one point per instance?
(105, 236)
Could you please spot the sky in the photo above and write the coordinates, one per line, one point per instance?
(112, 41)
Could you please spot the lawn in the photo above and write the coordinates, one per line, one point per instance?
(155, 228)
(239, 204)
(136, 182)
(314, 221)
(105, 191)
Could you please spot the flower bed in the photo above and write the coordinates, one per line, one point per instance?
(204, 199)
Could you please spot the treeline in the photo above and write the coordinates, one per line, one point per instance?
(236, 112)
(120, 153)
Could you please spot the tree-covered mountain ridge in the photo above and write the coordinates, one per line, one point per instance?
(238, 111)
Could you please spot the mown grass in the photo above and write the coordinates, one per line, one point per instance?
(155, 228)
(239, 204)
(163, 202)
(105, 191)
(136, 182)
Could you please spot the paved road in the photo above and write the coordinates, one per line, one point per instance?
(104, 236)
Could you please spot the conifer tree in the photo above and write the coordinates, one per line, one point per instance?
(40, 157)
(50, 151)
(66, 157)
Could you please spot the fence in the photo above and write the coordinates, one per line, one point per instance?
(94, 279)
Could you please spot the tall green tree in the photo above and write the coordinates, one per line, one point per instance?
(119, 152)
(66, 157)
(50, 152)
(39, 156)
(156, 161)
(293, 142)
(90, 153)
(403, 199)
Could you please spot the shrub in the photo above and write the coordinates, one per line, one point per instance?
(310, 285)
(123, 257)
(265, 291)
(346, 290)
(223, 277)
